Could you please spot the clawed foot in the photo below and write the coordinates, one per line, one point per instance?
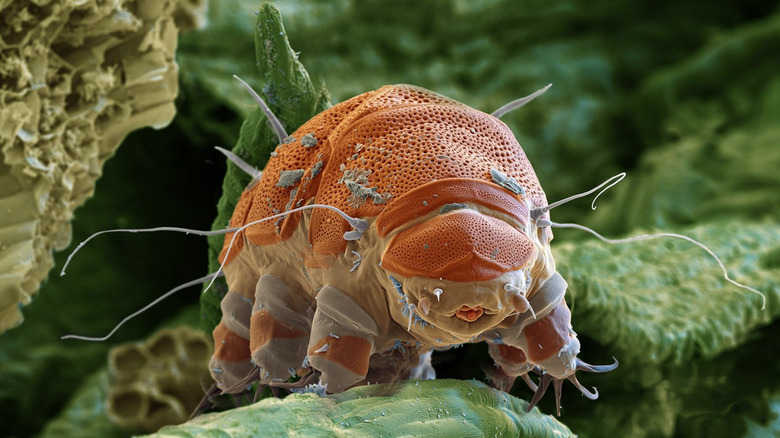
(545, 379)
(312, 376)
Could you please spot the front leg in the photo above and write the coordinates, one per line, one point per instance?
(510, 363)
(547, 346)
(509, 346)
(547, 342)
(342, 340)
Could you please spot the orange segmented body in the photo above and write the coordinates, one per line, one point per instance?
(451, 255)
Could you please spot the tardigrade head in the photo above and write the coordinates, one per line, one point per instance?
(463, 269)
(482, 270)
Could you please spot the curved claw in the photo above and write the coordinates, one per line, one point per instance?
(207, 402)
(584, 366)
(589, 395)
(250, 378)
(529, 382)
(544, 382)
(311, 376)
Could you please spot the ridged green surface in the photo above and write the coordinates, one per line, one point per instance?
(695, 360)
(427, 408)
(664, 301)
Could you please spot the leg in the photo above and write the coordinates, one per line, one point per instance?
(548, 343)
(405, 361)
(342, 340)
(552, 344)
(279, 329)
(424, 369)
(230, 363)
(511, 362)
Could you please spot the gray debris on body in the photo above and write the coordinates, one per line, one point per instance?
(309, 140)
(356, 181)
(360, 193)
(454, 206)
(317, 169)
(289, 178)
(507, 182)
(293, 192)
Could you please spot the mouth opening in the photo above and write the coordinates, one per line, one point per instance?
(469, 314)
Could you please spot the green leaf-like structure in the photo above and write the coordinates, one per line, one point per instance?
(425, 408)
(293, 98)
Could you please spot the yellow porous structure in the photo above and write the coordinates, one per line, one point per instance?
(157, 382)
(76, 76)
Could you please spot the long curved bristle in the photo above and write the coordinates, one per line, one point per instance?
(197, 281)
(241, 164)
(668, 235)
(276, 125)
(536, 213)
(517, 103)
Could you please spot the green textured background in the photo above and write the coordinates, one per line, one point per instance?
(683, 96)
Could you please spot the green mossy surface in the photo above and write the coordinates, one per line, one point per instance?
(714, 122)
(689, 107)
(673, 302)
(695, 356)
(427, 408)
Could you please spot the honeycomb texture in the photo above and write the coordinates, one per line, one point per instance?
(157, 382)
(459, 246)
(76, 76)
(269, 197)
(373, 149)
